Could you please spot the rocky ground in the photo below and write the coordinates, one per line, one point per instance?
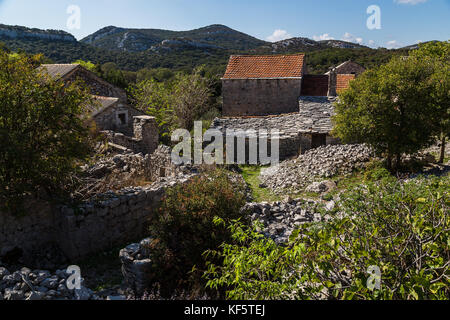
(281, 218)
(27, 284)
(316, 164)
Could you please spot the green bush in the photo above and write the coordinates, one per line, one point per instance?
(185, 226)
(43, 132)
(401, 228)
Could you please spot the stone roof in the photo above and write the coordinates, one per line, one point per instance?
(265, 67)
(314, 116)
(101, 104)
(57, 71)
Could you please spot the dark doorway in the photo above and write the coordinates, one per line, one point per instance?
(318, 140)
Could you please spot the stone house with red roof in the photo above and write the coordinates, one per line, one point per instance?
(273, 84)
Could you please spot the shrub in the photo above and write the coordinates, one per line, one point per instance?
(42, 130)
(400, 228)
(185, 226)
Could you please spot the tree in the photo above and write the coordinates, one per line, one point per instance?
(154, 98)
(177, 103)
(87, 65)
(439, 54)
(42, 130)
(191, 97)
(391, 108)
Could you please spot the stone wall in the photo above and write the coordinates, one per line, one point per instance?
(315, 85)
(259, 97)
(110, 219)
(145, 137)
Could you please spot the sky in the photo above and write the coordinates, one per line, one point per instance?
(399, 22)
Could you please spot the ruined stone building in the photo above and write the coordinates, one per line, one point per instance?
(274, 92)
(125, 126)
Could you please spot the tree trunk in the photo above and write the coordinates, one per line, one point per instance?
(398, 159)
(389, 162)
(443, 141)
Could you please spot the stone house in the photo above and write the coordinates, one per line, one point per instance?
(123, 124)
(262, 85)
(272, 84)
(274, 92)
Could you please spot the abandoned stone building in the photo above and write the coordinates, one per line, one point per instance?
(126, 127)
(274, 92)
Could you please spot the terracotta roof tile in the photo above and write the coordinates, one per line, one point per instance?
(268, 66)
(343, 81)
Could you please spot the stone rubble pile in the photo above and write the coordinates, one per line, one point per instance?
(323, 162)
(27, 284)
(280, 219)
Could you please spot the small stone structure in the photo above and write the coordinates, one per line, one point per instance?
(145, 137)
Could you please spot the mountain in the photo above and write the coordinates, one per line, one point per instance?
(300, 44)
(135, 49)
(138, 40)
(18, 32)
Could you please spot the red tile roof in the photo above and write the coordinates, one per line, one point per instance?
(343, 81)
(269, 66)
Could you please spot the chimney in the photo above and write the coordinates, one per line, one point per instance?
(332, 83)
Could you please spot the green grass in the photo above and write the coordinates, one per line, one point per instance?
(251, 176)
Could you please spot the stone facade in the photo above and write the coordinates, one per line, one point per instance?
(119, 118)
(260, 97)
(315, 85)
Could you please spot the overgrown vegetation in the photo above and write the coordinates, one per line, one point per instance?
(176, 103)
(43, 131)
(399, 228)
(185, 226)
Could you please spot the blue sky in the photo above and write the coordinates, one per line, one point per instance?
(403, 22)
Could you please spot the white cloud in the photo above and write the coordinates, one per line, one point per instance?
(279, 35)
(372, 43)
(411, 2)
(394, 44)
(351, 38)
(325, 36)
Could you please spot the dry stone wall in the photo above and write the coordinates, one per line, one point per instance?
(108, 220)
